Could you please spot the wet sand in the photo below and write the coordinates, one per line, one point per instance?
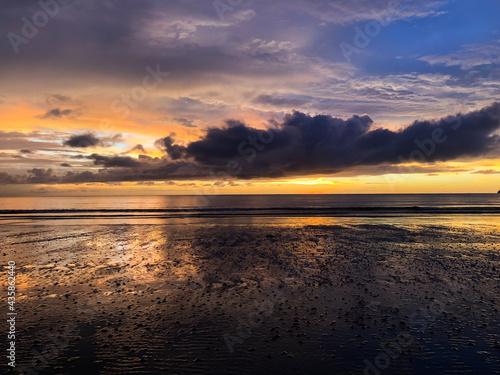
(257, 299)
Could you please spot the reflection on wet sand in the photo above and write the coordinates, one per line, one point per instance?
(300, 295)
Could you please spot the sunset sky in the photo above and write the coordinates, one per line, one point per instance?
(249, 97)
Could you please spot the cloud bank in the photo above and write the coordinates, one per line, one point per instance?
(82, 141)
(300, 145)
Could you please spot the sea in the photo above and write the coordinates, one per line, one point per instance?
(252, 209)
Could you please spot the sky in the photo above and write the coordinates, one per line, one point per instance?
(117, 97)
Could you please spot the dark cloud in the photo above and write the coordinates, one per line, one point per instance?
(25, 151)
(42, 176)
(114, 161)
(301, 145)
(305, 144)
(170, 171)
(146, 157)
(7, 178)
(175, 152)
(82, 141)
(139, 148)
(233, 142)
(66, 165)
(58, 113)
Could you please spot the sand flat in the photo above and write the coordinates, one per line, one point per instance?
(267, 298)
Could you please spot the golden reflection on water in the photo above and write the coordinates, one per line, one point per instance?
(404, 220)
(106, 258)
(147, 255)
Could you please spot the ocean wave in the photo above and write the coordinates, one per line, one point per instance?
(257, 211)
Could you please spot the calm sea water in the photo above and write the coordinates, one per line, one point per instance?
(249, 207)
(194, 202)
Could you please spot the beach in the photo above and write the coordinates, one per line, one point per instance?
(234, 187)
(257, 295)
